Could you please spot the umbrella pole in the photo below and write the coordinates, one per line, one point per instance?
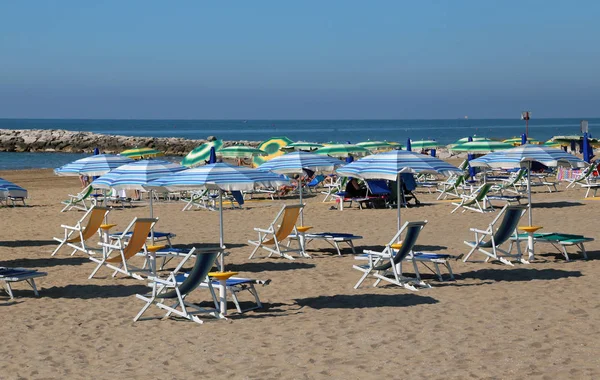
(221, 245)
(151, 217)
(398, 200)
(529, 193)
(300, 189)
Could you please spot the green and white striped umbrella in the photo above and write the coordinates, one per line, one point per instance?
(201, 154)
(240, 151)
(424, 144)
(481, 146)
(342, 150)
(376, 145)
(303, 145)
(517, 141)
(141, 153)
(466, 139)
(555, 144)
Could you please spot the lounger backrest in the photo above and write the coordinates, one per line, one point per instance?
(459, 181)
(378, 187)
(93, 225)
(85, 193)
(204, 263)
(315, 181)
(413, 229)
(512, 215)
(483, 191)
(138, 238)
(288, 222)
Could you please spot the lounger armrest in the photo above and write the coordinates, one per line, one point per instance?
(480, 231)
(109, 245)
(263, 230)
(69, 227)
(376, 253)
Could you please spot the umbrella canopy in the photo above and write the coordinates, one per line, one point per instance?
(141, 153)
(473, 138)
(93, 165)
(518, 140)
(554, 144)
(273, 148)
(481, 146)
(342, 150)
(303, 145)
(240, 151)
(200, 154)
(296, 163)
(424, 144)
(9, 189)
(390, 165)
(135, 175)
(523, 156)
(376, 145)
(222, 177)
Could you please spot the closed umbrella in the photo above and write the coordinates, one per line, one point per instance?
(297, 163)
(222, 177)
(389, 166)
(200, 154)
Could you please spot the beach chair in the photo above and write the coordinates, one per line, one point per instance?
(514, 184)
(76, 236)
(119, 198)
(332, 188)
(452, 187)
(79, 200)
(585, 177)
(314, 183)
(126, 245)
(271, 239)
(10, 275)
(390, 259)
(177, 286)
(488, 241)
(561, 241)
(477, 201)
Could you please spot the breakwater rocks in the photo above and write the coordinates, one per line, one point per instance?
(59, 140)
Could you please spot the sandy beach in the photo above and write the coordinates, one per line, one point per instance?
(494, 321)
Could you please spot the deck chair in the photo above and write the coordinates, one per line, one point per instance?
(314, 183)
(76, 236)
(584, 178)
(512, 184)
(380, 263)
(196, 199)
(452, 187)
(177, 286)
(125, 247)
(489, 241)
(10, 275)
(476, 202)
(330, 189)
(271, 239)
(79, 200)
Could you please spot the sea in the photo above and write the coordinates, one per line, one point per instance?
(343, 131)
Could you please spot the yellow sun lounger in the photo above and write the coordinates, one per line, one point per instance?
(77, 235)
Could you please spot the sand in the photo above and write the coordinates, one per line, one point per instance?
(537, 321)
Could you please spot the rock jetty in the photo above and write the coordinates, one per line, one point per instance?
(59, 140)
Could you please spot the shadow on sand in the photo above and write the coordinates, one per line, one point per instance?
(93, 291)
(27, 243)
(559, 204)
(360, 301)
(267, 266)
(520, 274)
(45, 263)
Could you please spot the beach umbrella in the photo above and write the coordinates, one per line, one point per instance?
(481, 146)
(519, 140)
(221, 177)
(9, 189)
(273, 148)
(303, 145)
(389, 166)
(408, 145)
(240, 151)
(93, 166)
(296, 163)
(136, 153)
(342, 150)
(424, 144)
(523, 156)
(200, 154)
(473, 138)
(376, 145)
(554, 144)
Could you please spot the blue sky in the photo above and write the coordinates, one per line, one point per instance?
(301, 60)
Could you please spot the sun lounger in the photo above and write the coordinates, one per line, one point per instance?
(271, 239)
(452, 187)
(123, 247)
(76, 236)
(177, 286)
(561, 241)
(10, 275)
(333, 238)
(590, 187)
(477, 201)
(489, 241)
(78, 201)
(237, 285)
(585, 176)
(390, 259)
(514, 184)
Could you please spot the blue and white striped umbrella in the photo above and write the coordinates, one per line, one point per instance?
(9, 189)
(135, 175)
(222, 177)
(389, 165)
(296, 162)
(93, 165)
(522, 157)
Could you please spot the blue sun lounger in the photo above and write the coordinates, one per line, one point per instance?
(8, 275)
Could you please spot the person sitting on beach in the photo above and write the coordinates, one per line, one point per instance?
(354, 189)
(85, 181)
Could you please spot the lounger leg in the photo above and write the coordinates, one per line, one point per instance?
(583, 251)
(564, 249)
(8, 290)
(362, 278)
(337, 247)
(352, 246)
(62, 242)
(31, 282)
(258, 245)
(149, 301)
